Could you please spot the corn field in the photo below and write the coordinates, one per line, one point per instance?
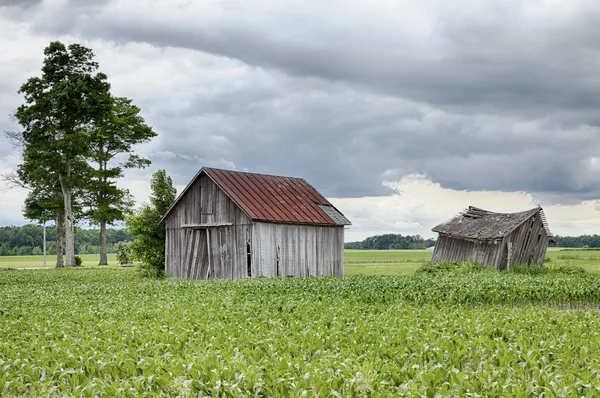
(106, 332)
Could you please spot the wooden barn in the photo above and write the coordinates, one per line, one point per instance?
(230, 224)
(493, 239)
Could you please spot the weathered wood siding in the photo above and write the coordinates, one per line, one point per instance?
(189, 252)
(529, 242)
(297, 250)
(449, 248)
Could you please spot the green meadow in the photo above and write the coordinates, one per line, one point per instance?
(406, 262)
(357, 262)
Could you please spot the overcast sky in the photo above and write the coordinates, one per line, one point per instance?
(402, 113)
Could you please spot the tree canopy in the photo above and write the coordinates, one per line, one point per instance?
(76, 140)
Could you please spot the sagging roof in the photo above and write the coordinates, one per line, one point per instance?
(272, 198)
(476, 223)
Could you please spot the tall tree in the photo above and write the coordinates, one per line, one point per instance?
(149, 243)
(61, 108)
(111, 151)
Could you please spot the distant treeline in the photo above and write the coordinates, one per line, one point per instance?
(27, 239)
(391, 242)
(578, 241)
(397, 242)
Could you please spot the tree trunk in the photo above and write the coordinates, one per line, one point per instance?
(103, 255)
(60, 231)
(44, 243)
(69, 225)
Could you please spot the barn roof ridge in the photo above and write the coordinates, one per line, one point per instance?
(271, 198)
(477, 223)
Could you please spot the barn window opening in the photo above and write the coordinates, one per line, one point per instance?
(249, 259)
(277, 262)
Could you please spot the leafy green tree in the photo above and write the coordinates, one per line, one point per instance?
(61, 107)
(149, 243)
(114, 139)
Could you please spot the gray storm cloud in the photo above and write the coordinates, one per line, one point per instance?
(475, 95)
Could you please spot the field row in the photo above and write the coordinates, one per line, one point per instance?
(104, 332)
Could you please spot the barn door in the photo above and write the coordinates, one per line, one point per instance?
(196, 254)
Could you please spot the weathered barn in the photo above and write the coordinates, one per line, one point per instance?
(494, 239)
(229, 224)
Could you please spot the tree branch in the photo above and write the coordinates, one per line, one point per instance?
(11, 181)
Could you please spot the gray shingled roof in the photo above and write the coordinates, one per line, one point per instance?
(335, 215)
(476, 223)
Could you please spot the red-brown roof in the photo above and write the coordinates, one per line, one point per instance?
(273, 198)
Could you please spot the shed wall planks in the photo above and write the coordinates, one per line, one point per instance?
(204, 202)
(297, 250)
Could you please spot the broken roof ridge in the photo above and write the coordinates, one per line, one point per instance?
(475, 222)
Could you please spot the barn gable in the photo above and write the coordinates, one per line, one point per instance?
(271, 198)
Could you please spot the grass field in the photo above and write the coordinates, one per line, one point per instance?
(97, 332)
(406, 262)
(38, 261)
(357, 262)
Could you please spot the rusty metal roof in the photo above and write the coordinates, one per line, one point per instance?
(273, 198)
(478, 223)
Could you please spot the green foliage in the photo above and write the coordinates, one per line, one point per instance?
(149, 244)
(59, 110)
(163, 192)
(457, 267)
(562, 269)
(78, 261)
(466, 267)
(582, 241)
(112, 139)
(391, 242)
(123, 252)
(476, 334)
(31, 235)
(400, 242)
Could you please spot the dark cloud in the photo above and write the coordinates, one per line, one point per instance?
(20, 3)
(488, 96)
(499, 61)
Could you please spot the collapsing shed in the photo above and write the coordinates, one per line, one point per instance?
(493, 239)
(229, 224)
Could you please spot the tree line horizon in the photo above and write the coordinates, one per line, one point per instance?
(407, 242)
(21, 240)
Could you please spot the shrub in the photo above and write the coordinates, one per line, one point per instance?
(457, 267)
(78, 261)
(561, 269)
(123, 252)
(149, 244)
